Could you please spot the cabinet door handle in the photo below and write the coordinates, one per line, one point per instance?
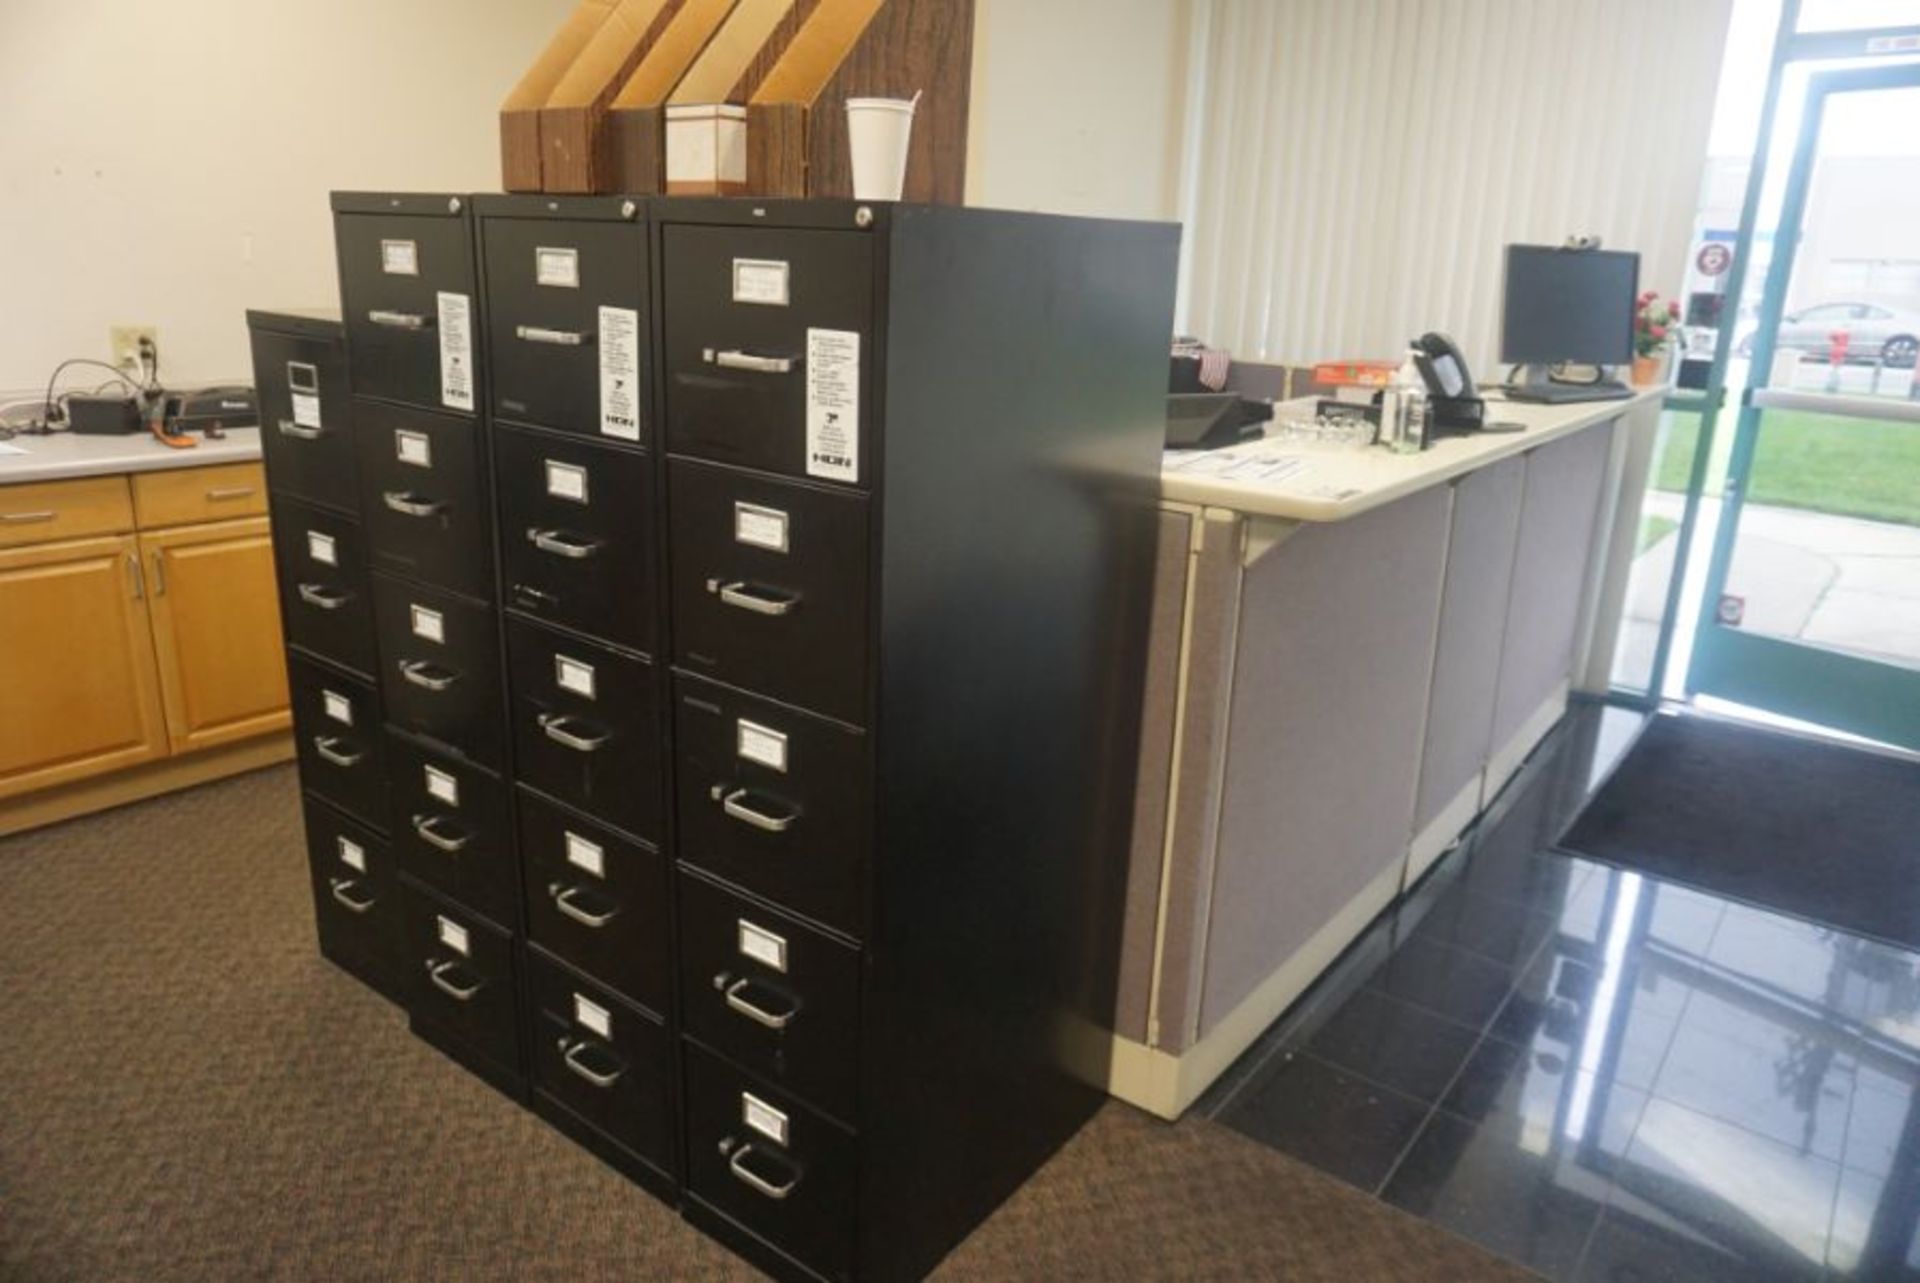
(563, 901)
(733, 802)
(228, 492)
(411, 505)
(23, 518)
(321, 596)
(734, 359)
(761, 601)
(343, 892)
(752, 1010)
(560, 544)
(397, 320)
(427, 676)
(541, 334)
(139, 580)
(737, 1165)
(288, 428)
(570, 1050)
(159, 573)
(430, 830)
(437, 971)
(328, 747)
(555, 726)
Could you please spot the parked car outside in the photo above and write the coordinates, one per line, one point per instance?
(1875, 334)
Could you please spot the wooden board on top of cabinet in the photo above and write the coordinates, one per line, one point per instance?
(83, 692)
(215, 493)
(43, 511)
(216, 630)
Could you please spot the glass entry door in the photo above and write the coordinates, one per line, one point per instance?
(1812, 607)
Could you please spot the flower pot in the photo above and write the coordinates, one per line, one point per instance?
(1649, 370)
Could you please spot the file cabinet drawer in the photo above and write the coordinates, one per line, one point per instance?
(453, 828)
(770, 586)
(767, 339)
(356, 899)
(576, 525)
(586, 726)
(440, 667)
(603, 1059)
(461, 981)
(336, 724)
(186, 496)
(423, 495)
(325, 598)
(45, 511)
(597, 900)
(567, 316)
(306, 416)
(773, 800)
(772, 994)
(770, 1164)
(407, 297)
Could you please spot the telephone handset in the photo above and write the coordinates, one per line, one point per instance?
(1454, 401)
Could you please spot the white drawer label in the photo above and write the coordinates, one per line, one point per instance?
(620, 373)
(589, 1014)
(763, 1118)
(443, 786)
(337, 706)
(429, 624)
(452, 935)
(760, 280)
(566, 481)
(400, 258)
(833, 404)
(572, 675)
(352, 854)
(321, 548)
(306, 410)
(415, 448)
(556, 267)
(757, 743)
(456, 351)
(763, 945)
(760, 527)
(585, 854)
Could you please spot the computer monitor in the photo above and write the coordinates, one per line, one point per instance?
(1569, 305)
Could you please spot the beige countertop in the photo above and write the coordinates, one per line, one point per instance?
(65, 454)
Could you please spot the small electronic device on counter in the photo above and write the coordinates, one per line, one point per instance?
(211, 411)
(1212, 420)
(103, 414)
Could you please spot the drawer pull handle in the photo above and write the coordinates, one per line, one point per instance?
(746, 596)
(541, 334)
(427, 676)
(734, 804)
(288, 428)
(22, 518)
(343, 892)
(430, 829)
(218, 493)
(322, 597)
(563, 900)
(412, 505)
(438, 972)
(735, 359)
(753, 1180)
(397, 320)
(139, 580)
(560, 544)
(555, 726)
(753, 1010)
(328, 747)
(570, 1050)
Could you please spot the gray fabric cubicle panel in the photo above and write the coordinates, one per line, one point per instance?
(1324, 754)
(1473, 619)
(1550, 566)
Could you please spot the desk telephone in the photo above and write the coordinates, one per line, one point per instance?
(1455, 406)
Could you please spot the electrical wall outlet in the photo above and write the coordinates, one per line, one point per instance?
(125, 342)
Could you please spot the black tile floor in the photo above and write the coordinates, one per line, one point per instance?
(1601, 1075)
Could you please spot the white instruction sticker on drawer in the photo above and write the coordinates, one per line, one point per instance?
(321, 548)
(306, 410)
(456, 351)
(757, 743)
(566, 481)
(399, 258)
(585, 854)
(556, 267)
(589, 1014)
(415, 448)
(443, 786)
(833, 404)
(352, 854)
(429, 624)
(572, 675)
(762, 945)
(763, 1118)
(337, 706)
(760, 280)
(760, 527)
(620, 373)
(452, 935)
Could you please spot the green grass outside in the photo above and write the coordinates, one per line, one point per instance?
(1853, 467)
(1652, 530)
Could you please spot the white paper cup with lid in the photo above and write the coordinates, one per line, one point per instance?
(878, 131)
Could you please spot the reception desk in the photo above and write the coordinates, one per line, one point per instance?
(1352, 652)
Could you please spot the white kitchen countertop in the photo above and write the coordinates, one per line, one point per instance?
(1311, 482)
(65, 454)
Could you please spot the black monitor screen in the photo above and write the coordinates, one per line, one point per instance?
(1569, 305)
